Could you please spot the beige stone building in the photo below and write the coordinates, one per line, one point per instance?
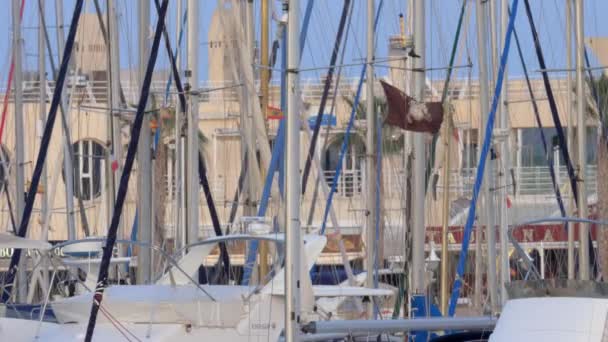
(219, 114)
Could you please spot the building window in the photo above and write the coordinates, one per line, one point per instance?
(89, 158)
(350, 182)
(533, 153)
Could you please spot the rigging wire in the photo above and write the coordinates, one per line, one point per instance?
(44, 146)
(326, 88)
(9, 82)
(482, 162)
(64, 120)
(128, 166)
(539, 124)
(345, 141)
(202, 170)
(277, 153)
(556, 120)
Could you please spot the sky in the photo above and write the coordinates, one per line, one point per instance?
(441, 16)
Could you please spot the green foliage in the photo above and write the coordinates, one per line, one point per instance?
(168, 120)
(595, 109)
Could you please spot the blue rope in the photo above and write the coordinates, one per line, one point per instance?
(596, 95)
(349, 127)
(177, 49)
(482, 163)
(278, 148)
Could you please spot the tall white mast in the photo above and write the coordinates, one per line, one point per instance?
(571, 142)
(293, 185)
(581, 102)
(144, 158)
(67, 162)
(247, 137)
(44, 203)
(504, 164)
(192, 142)
(115, 103)
(370, 235)
(19, 140)
(180, 157)
(42, 109)
(418, 170)
(490, 197)
(483, 110)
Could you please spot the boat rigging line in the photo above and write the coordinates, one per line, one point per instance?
(563, 147)
(539, 124)
(64, 120)
(44, 146)
(485, 149)
(326, 88)
(277, 155)
(128, 166)
(202, 170)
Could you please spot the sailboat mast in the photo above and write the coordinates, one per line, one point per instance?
(246, 125)
(42, 108)
(483, 110)
(264, 58)
(264, 101)
(505, 165)
(67, 162)
(19, 138)
(569, 116)
(144, 158)
(581, 131)
(180, 173)
(447, 137)
(113, 47)
(370, 236)
(192, 136)
(293, 187)
(418, 170)
(490, 199)
(44, 203)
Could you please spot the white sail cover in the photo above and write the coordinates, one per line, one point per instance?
(12, 241)
(160, 304)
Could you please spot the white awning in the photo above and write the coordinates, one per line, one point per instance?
(12, 241)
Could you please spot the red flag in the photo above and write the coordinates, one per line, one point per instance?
(410, 115)
(114, 163)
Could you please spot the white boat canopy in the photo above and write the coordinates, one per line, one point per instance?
(12, 241)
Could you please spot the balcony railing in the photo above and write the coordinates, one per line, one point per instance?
(530, 180)
(88, 91)
(350, 183)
